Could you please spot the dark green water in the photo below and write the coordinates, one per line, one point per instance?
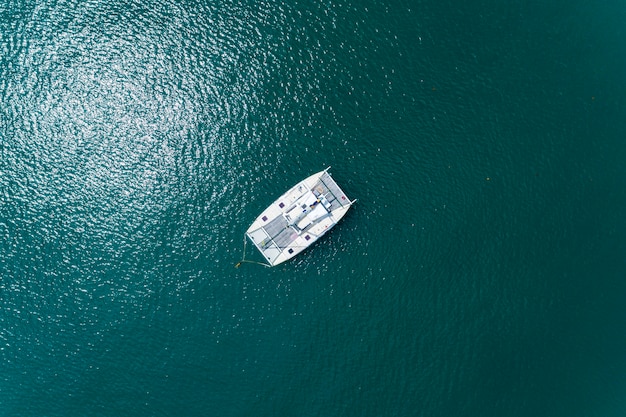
(482, 272)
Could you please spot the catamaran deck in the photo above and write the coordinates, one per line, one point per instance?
(299, 217)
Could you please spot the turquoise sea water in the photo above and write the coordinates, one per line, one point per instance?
(482, 272)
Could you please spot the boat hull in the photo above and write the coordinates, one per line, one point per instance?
(298, 218)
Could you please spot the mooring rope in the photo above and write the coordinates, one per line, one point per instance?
(244, 260)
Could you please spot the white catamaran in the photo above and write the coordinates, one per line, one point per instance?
(298, 218)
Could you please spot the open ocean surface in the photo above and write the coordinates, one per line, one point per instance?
(481, 273)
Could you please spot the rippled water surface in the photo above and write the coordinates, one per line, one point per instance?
(481, 272)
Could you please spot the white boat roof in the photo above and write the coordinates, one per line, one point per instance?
(299, 217)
